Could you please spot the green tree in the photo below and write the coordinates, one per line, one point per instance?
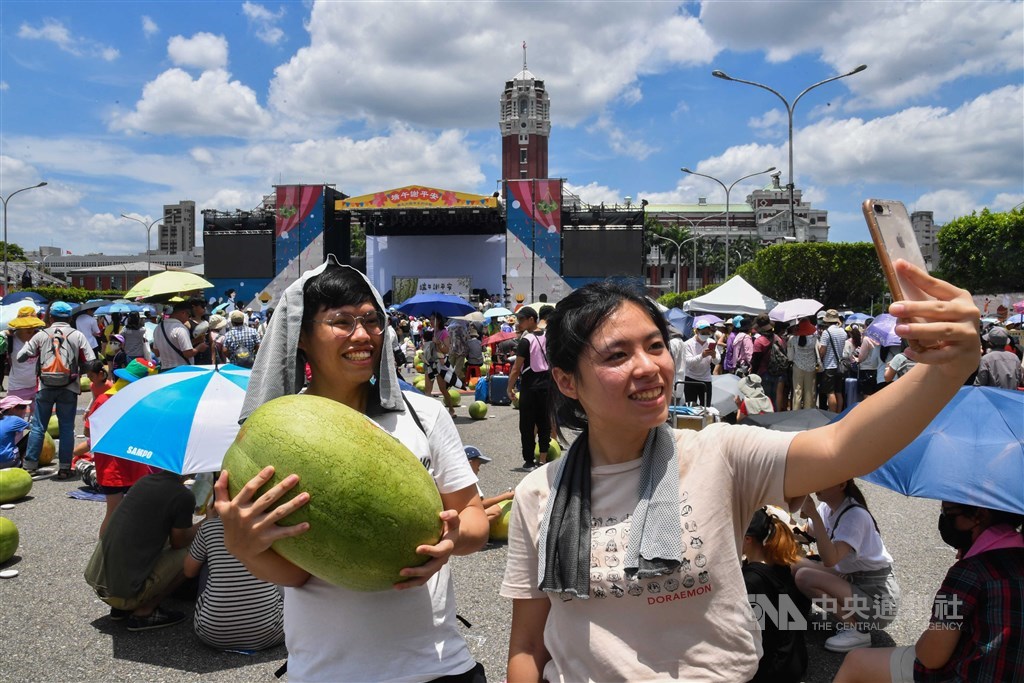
(357, 246)
(14, 252)
(835, 273)
(984, 252)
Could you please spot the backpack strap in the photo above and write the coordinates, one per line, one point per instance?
(171, 343)
(831, 535)
(412, 411)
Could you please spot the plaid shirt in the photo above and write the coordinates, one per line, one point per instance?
(240, 337)
(983, 598)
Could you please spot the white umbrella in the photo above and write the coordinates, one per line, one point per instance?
(795, 308)
(724, 390)
(497, 311)
(9, 312)
(474, 317)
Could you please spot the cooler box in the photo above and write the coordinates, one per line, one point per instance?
(497, 390)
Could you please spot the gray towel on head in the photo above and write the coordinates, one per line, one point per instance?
(656, 546)
(279, 370)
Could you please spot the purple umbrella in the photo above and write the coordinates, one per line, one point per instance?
(881, 331)
(709, 318)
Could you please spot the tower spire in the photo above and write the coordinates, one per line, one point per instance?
(524, 55)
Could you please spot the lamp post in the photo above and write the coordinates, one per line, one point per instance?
(148, 226)
(789, 109)
(728, 190)
(679, 252)
(5, 200)
(693, 227)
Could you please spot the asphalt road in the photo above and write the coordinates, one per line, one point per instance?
(55, 629)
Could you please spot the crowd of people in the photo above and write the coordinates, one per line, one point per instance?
(633, 557)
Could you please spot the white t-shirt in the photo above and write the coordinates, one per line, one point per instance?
(23, 374)
(87, 325)
(178, 334)
(693, 625)
(856, 529)
(335, 634)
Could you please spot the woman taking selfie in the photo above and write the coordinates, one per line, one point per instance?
(622, 555)
(333, 319)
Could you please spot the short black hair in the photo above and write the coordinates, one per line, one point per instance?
(545, 312)
(197, 300)
(336, 286)
(97, 366)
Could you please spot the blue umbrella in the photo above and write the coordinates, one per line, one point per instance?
(445, 304)
(220, 307)
(21, 296)
(1017, 319)
(497, 311)
(857, 318)
(971, 453)
(182, 420)
(118, 307)
(882, 331)
(680, 320)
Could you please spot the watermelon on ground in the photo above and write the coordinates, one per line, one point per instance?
(554, 451)
(48, 452)
(53, 428)
(454, 397)
(499, 525)
(84, 383)
(8, 539)
(372, 503)
(15, 483)
(478, 410)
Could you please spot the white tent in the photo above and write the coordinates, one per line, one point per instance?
(735, 297)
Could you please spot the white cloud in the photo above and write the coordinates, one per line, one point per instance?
(210, 105)
(946, 204)
(231, 199)
(911, 48)
(1004, 201)
(620, 142)
(4, 86)
(768, 124)
(264, 22)
(596, 51)
(594, 193)
(202, 156)
(56, 32)
(202, 51)
(149, 26)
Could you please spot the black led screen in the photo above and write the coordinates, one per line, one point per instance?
(602, 253)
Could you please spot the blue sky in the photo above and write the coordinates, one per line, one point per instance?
(125, 106)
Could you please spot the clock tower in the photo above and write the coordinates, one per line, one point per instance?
(525, 125)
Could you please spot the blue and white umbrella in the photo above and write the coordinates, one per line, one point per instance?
(182, 420)
(496, 311)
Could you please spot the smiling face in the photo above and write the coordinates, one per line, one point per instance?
(624, 377)
(344, 362)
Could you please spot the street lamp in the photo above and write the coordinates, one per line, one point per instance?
(693, 227)
(728, 190)
(679, 252)
(789, 108)
(5, 200)
(148, 226)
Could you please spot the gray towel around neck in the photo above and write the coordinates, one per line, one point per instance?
(656, 544)
(279, 368)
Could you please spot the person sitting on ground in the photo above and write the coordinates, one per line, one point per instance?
(99, 379)
(752, 399)
(234, 609)
(491, 507)
(13, 426)
(976, 629)
(854, 579)
(138, 561)
(771, 549)
(998, 367)
(241, 343)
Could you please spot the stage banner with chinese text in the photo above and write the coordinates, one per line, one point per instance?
(417, 197)
(406, 287)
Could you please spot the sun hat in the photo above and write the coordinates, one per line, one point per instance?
(702, 325)
(217, 322)
(755, 398)
(119, 338)
(997, 337)
(237, 317)
(805, 328)
(766, 327)
(737, 321)
(26, 320)
(473, 453)
(60, 309)
(11, 401)
(264, 297)
(831, 316)
(135, 370)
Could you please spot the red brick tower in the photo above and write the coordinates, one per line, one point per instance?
(525, 125)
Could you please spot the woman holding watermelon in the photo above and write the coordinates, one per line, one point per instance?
(333, 319)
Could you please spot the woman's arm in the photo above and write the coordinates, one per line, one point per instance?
(526, 652)
(250, 528)
(935, 647)
(831, 553)
(192, 566)
(465, 531)
(884, 423)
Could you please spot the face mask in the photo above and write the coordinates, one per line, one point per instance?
(702, 337)
(953, 537)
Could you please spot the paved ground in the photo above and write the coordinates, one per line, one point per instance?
(54, 629)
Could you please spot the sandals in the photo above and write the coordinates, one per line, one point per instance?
(63, 475)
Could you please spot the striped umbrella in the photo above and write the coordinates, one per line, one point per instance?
(182, 420)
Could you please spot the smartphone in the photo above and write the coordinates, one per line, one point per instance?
(893, 235)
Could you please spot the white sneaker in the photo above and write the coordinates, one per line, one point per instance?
(848, 639)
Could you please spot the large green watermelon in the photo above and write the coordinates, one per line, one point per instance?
(8, 539)
(371, 500)
(499, 525)
(15, 483)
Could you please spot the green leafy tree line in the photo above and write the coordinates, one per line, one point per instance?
(983, 253)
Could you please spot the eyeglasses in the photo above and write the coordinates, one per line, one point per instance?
(344, 325)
